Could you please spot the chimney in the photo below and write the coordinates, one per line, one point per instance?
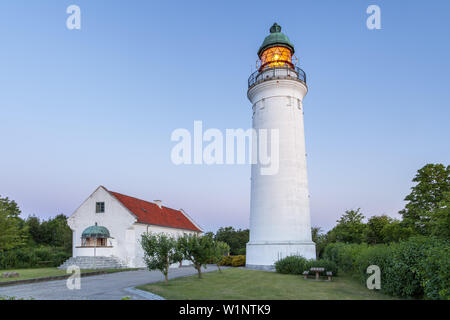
(158, 203)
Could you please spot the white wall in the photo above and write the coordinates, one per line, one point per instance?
(116, 219)
(140, 229)
(122, 227)
(279, 206)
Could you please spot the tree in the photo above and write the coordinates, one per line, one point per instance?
(54, 232)
(427, 196)
(220, 250)
(160, 251)
(396, 231)
(34, 229)
(373, 232)
(59, 232)
(350, 227)
(236, 239)
(197, 249)
(320, 239)
(440, 218)
(12, 231)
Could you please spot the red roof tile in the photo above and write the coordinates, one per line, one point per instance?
(151, 213)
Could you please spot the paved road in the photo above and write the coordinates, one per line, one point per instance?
(112, 286)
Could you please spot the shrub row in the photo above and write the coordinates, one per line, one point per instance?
(344, 255)
(233, 261)
(418, 267)
(33, 257)
(298, 264)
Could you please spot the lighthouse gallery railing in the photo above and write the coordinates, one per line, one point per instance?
(276, 73)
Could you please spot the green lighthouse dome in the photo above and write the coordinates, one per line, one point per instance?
(95, 232)
(276, 39)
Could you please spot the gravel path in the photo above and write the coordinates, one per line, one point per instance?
(113, 286)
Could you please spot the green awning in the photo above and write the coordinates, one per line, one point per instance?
(95, 232)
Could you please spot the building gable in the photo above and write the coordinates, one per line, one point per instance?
(113, 211)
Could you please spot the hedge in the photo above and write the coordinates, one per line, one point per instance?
(434, 272)
(44, 256)
(233, 261)
(238, 261)
(344, 255)
(416, 268)
(226, 261)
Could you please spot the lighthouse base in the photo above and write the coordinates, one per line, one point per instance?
(263, 255)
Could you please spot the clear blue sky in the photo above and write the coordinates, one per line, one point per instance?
(97, 106)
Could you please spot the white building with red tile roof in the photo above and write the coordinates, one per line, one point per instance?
(110, 224)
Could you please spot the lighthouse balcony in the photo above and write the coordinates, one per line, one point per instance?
(274, 73)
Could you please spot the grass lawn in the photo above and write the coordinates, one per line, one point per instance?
(244, 284)
(48, 272)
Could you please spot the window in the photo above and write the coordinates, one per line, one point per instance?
(99, 207)
(94, 242)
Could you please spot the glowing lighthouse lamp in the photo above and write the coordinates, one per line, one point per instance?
(279, 207)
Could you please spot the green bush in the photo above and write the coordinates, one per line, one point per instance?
(344, 255)
(298, 264)
(434, 271)
(292, 265)
(380, 255)
(401, 277)
(238, 261)
(331, 251)
(418, 267)
(33, 257)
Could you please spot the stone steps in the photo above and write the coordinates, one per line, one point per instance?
(99, 262)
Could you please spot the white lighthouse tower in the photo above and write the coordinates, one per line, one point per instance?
(279, 210)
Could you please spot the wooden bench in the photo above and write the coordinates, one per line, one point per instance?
(329, 275)
(317, 271)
